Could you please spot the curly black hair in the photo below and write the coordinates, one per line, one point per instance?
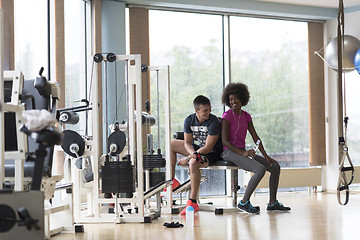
(238, 89)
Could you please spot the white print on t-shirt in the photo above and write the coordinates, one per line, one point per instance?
(200, 134)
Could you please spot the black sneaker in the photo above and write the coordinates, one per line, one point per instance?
(247, 207)
(277, 206)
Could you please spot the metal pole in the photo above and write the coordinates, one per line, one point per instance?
(2, 132)
(340, 44)
(158, 109)
(106, 109)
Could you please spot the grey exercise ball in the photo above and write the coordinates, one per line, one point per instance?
(351, 45)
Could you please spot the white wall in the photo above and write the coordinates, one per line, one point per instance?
(331, 170)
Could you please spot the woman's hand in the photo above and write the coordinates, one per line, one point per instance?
(249, 153)
(271, 161)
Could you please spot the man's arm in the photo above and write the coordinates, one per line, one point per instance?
(188, 141)
(209, 144)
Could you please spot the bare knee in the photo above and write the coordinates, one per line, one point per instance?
(193, 166)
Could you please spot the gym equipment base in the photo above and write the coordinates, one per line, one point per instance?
(33, 201)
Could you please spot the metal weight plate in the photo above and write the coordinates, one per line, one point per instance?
(118, 137)
(7, 218)
(117, 177)
(71, 137)
(155, 178)
(154, 161)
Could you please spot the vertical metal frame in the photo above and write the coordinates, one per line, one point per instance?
(2, 137)
(168, 170)
(15, 106)
(135, 146)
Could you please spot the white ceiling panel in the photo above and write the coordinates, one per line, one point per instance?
(317, 3)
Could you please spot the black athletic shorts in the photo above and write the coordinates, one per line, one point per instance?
(212, 157)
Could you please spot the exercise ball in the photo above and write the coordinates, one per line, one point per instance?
(357, 61)
(351, 45)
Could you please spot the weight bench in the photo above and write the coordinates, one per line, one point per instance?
(220, 165)
(225, 165)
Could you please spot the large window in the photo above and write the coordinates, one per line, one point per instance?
(192, 45)
(352, 86)
(31, 37)
(271, 57)
(75, 75)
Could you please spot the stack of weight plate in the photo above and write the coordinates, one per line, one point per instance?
(117, 177)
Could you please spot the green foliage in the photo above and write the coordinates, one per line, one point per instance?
(278, 86)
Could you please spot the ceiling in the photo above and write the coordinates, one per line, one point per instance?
(314, 10)
(318, 3)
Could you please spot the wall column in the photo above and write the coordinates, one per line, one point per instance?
(139, 44)
(317, 139)
(8, 24)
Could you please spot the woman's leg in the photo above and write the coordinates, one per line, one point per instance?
(249, 165)
(274, 176)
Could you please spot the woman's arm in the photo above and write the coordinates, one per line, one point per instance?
(255, 137)
(225, 140)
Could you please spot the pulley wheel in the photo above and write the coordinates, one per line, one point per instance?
(6, 212)
(111, 57)
(98, 58)
(119, 139)
(71, 137)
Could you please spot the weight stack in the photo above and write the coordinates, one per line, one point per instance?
(117, 177)
(154, 161)
(155, 178)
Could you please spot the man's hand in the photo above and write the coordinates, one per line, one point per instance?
(184, 161)
(200, 158)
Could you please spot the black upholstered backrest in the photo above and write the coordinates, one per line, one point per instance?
(32, 100)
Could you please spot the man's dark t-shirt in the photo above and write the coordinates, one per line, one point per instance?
(200, 131)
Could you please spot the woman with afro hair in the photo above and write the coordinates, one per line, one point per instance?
(234, 126)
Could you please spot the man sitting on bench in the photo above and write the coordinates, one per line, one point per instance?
(201, 146)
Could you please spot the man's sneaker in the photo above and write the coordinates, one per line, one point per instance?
(190, 203)
(277, 206)
(174, 185)
(247, 207)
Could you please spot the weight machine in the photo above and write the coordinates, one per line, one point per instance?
(33, 182)
(123, 178)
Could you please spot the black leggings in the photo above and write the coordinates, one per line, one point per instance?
(258, 166)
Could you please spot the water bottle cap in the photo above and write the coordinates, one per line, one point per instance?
(189, 208)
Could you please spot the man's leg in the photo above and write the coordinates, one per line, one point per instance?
(176, 146)
(195, 177)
